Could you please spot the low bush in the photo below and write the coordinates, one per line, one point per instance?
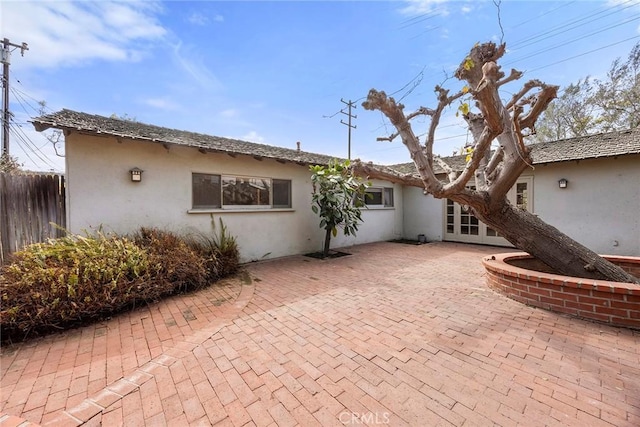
(180, 267)
(220, 250)
(65, 281)
(72, 280)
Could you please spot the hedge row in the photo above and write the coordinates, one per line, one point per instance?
(74, 280)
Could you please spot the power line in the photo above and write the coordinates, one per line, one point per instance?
(564, 4)
(20, 99)
(582, 37)
(26, 153)
(30, 147)
(19, 132)
(563, 28)
(583, 54)
(42, 105)
(588, 20)
(567, 26)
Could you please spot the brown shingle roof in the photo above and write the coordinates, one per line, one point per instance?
(611, 144)
(587, 147)
(89, 123)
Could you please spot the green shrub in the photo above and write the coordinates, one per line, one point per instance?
(180, 267)
(66, 281)
(220, 250)
(75, 279)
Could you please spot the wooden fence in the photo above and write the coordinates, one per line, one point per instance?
(32, 208)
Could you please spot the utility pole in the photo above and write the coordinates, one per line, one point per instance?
(5, 58)
(349, 105)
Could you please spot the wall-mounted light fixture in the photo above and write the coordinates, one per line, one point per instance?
(563, 183)
(136, 174)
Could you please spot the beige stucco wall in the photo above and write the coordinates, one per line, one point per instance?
(422, 215)
(600, 207)
(100, 193)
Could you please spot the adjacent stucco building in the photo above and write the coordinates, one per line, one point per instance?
(188, 181)
(122, 175)
(599, 206)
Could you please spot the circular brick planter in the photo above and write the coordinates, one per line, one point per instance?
(609, 302)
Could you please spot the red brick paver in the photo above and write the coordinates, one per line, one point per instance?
(391, 335)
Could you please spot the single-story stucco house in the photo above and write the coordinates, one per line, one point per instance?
(122, 175)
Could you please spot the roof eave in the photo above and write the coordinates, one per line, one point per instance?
(41, 126)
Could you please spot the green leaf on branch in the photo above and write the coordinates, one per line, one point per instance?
(336, 197)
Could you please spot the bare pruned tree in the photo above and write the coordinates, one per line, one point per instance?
(494, 171)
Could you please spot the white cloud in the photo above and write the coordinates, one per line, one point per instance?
(63, 33)
(229, 114)
(253, 137)
(198, 19)
(420, 7)
(194, 67)
(466, 9)
(161, 104)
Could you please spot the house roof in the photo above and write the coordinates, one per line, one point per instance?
(612, 144)
(586, 147)
(99, 125)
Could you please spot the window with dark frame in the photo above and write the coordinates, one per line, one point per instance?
(212, 191)
(206, 191)
(281, 193)
(379, 196)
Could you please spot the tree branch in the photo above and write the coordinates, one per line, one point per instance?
(525, 88)
(486, 95)
(515, 75)
(482, 144)
(540, 103)
(422, 111)
(382, 172)
(388, 106)
(451, 174)
(388, 138)
(443, 101)
(476, 126)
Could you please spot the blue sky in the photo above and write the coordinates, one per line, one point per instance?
(274, 72)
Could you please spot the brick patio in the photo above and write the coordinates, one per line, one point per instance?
(394, 334)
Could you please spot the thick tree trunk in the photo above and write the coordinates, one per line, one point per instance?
(494, 173)
(529, 233)
(526, 232)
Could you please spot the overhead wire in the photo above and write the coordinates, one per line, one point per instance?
(564, 4)
(568, 26)
(19, 132)
(27, 148)
(562, 29)
(582, 37)
(584, 53)
(26, 152)
(22, 139)
(19, 99)
(23, 96)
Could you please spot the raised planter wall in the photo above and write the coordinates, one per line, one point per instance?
(614, 303)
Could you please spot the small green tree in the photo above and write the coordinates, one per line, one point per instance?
(337, 197)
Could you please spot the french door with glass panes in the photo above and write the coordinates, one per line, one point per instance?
(460, 225)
